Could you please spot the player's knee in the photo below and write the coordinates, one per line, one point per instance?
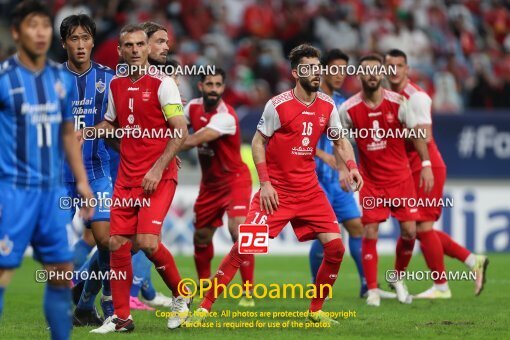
(114, 243)
(334, 251)
(355, 228)
(57, 276)
(408, 232)
(149, 249)
(423, 227)
(121, 256)
(370, 231)
(147, 244)
(103, 242)
(5, 277)
(202, 236)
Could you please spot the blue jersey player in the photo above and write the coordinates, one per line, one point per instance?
(91, 82)
(35, 125)
(342, 201)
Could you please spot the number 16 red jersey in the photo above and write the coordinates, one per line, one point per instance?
(293, 130)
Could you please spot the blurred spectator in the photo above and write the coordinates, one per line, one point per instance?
(459, 51)
(73, 7)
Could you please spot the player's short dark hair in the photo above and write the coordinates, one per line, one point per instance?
(26, 8)
(130, 28)
(151, 27)
(395, 52)
(371, 57)
(70, 23)
(217, 71)
(302, 51)
(332, 55)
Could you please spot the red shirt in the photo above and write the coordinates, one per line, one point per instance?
(220, 160)
(293, 130)
(420, 103)
(383, 161)
(138, 105)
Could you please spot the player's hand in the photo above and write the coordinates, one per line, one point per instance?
(426, 179)
(86, 211)
(344, 181)
(151, 180)
(355, 180)
(178, 162)
(268, 198)
(331, 161)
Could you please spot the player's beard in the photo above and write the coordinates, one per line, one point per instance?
(306, 84)
(155, 62)
(369, 88)
(211, 102)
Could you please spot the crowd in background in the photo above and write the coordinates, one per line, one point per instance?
(459, 51)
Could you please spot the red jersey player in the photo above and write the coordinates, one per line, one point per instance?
(144, 102)
(283, 150)
(226, 180)
(386, 171)
(433, 243)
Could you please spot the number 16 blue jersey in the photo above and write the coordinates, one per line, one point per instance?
(89, 104)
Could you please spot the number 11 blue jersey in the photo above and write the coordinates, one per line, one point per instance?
(33, 106)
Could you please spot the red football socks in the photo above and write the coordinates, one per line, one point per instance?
(328, 272)
(120, 263)
(404, 252)
(452, 248)
(228, 269)
(247, 269)
(165, 265)
(369, 261)
(432, 250)
(203, 257)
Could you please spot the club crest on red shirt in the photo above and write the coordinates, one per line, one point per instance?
(390, 118)
(146, 95)
(322, 120)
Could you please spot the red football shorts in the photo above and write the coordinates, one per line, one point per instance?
(436, 194)
(212, 203)
(309, 214)
(375, 211)
(133, 219)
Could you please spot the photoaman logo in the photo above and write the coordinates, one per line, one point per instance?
(253, 239)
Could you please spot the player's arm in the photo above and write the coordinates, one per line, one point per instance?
(268, 124)
(103, 129)
(171, 106)
(327, 158)
(421, 105)
(344, 154)
(407, 116)
(114, 143)
(72, 151)
(343, 151)
(222, 123)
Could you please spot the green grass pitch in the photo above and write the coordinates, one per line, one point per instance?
(463, 316)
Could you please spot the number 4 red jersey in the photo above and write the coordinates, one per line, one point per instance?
(383, 161)
(220, 159)
(293, 130)
(138, 105)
